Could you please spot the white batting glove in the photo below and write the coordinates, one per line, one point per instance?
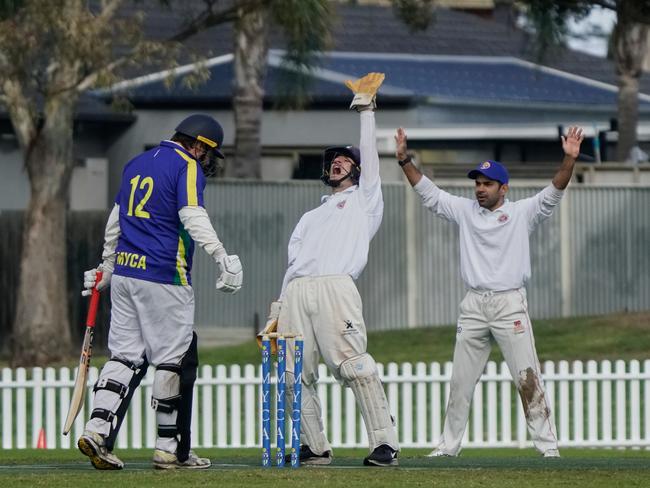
(231, 274)
(90, 278)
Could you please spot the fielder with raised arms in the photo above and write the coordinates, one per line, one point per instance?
(148, 247)
(495, 266)
(328, 250)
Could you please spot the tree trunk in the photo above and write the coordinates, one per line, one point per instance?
(628, 115)
(251, 49)
(41, 332)
(630, 47)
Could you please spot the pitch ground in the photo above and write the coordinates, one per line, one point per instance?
(503, 468)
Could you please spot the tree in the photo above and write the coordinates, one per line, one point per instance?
(630, 45)
(306, 26)
(630, 41)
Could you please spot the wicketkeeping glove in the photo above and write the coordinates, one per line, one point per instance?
(365, 90)
(90, 278)
(230, 274)
(271, 326)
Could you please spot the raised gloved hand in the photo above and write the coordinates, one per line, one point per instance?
(90, 278)
(230, 274)
(365, 90)
(271, 326)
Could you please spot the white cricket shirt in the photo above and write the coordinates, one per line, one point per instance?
(494, 245)
(333, 239)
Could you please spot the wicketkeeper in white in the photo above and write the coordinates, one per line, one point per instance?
(148, 248)
(495, 266)
(328, 250)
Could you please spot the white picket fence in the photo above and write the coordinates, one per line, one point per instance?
(598, 404)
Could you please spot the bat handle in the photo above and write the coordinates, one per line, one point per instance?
(94, 302)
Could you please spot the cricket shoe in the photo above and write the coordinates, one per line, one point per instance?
(551, 453)
(383, 455)
(93, 445)
(308, 458)
(168, 460)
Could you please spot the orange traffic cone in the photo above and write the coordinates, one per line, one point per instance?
(41, 443)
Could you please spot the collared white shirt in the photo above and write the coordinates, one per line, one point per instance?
(334, 238)
(494, 245)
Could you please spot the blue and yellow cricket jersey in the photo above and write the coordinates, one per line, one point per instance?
(153, 244)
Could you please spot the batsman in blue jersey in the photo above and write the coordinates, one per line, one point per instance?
(147, 259)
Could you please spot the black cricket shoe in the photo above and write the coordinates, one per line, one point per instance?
(383, 455)
(308, 457)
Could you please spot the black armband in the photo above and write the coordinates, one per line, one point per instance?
(406, 160)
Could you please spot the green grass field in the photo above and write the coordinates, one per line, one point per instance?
(503, 468)
(621, 336)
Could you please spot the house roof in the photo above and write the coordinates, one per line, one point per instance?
(477, 80)
(363, 28)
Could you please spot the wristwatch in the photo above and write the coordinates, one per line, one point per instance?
(406, 160)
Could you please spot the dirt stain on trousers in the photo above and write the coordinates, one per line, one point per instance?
(532, 395)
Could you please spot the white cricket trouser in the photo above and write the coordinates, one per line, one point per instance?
(504, 316)
(151, 318)
(148, 318)
(327, 311)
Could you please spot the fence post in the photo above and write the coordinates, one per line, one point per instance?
(578, 404)
(549, 383)
(37, 404)
(436, 404)
(250, 406)
(137, 420)
(407, 404)
(64, 404)
(421, 403)
(635, 406)
(206, 406)
(21, 409)
(7, 409)
(621, 402)
(350, 419)
(151, 424)
(592, 402)
(393, 394)
(606, 402)
(492, 403)
(323, 374)
(222, 408)
(476, 416)
(646, 402)
(50, 408)
(337, 414)
(564, 405)
(506, 403)
(235, 406)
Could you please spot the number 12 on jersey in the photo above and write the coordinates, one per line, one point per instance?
(147, 183)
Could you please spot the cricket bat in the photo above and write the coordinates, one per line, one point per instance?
(79, 392)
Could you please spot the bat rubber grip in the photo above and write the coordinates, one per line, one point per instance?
(94, 302)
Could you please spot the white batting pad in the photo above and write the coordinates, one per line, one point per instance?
(360, 374)
(311, 426)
